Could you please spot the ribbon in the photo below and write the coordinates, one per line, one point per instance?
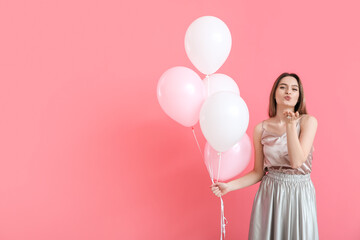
(223, 220)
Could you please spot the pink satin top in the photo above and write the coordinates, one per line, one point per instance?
(276, 156)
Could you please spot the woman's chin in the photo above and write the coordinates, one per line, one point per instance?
(287, 104)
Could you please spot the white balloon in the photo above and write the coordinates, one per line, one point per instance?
(224, 118)
(208, 43)
(219, 82)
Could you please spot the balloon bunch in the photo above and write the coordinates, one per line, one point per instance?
(214, 101)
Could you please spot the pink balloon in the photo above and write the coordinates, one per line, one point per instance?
(181, 93)
(233, 161)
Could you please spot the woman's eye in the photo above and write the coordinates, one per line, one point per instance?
(294, 89)
(281, 87)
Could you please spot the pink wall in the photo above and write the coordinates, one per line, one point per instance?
(86, 151)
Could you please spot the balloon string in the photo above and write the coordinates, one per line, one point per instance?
(223, 220)
(197, 142)
(202, 155)
(218, 173)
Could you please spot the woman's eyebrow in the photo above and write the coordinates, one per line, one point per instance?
(286, 84)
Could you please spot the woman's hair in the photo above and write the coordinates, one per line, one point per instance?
(300, 105)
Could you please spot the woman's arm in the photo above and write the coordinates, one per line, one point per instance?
(254, 176)
(257, 173)
(299, 147)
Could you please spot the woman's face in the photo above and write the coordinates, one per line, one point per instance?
(287, 92)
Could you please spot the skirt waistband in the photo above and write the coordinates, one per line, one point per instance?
(288, 177)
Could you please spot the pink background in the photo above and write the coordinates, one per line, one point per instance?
(86, 151)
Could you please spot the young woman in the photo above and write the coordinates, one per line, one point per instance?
(285, 205)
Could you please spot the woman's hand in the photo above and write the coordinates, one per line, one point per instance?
(291, 116)
(220, 189)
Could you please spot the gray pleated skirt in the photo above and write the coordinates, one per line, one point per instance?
(284, 208)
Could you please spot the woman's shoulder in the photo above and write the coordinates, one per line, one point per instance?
(268, 120)
(257, 133)
(308, 119)
(307, 116)
(258, 128)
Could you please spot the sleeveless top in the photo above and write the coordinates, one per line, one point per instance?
(276, 156)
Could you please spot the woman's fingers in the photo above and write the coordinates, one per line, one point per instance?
(291, 115)
(216, 192)
(215, 188)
